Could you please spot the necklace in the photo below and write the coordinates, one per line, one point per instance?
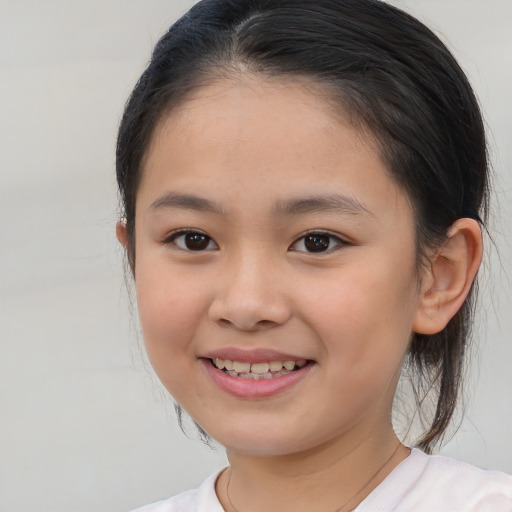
(343, 507)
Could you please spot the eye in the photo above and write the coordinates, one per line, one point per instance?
(192, 241)
(316, 243)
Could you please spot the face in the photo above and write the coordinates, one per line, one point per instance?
(275, 268)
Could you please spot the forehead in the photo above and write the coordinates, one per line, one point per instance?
(285, 136)
(242, 105)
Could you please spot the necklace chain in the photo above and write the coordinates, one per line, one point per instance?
(340, 509)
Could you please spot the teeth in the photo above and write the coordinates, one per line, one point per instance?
(264, 370)
(241, 367)
(259, 368)
(275, 366)
(255, 376)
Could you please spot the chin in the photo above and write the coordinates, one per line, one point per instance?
(261, 448)
(264, 440)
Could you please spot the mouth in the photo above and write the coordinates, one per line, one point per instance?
(258, 370)
(255, 374)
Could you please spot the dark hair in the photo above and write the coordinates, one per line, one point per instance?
(389, 73)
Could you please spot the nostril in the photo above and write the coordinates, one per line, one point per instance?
(265, 323)
(258, 326)
(248, 313)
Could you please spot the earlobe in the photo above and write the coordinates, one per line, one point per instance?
(446, 284)
(121, 233)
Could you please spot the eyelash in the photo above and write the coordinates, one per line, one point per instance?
(173, 237)
(314, 236)
(319, 234)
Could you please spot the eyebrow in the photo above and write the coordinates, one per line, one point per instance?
(172, 200)
(336, 203)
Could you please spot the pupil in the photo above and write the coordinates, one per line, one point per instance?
(196, 241)
(317, 243)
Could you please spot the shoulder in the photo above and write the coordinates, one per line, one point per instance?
(423, 483)
(179, 503)
(475, 488)
(453, 468)
(202, 499)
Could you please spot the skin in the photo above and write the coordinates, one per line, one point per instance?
(249, 146)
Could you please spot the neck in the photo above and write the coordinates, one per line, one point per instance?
(334, 477)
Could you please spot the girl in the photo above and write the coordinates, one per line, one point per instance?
(304, 185)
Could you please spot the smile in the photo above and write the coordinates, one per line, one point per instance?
(255, 374)
(259, 370)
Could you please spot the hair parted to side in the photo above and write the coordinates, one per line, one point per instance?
(389, 73)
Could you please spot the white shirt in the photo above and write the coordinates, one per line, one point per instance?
(421, 483)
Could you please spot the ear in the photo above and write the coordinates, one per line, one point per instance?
(446, 284)
(121, 233)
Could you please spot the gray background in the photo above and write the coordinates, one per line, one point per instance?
(83, 424)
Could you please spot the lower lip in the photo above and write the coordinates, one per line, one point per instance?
(251, 389)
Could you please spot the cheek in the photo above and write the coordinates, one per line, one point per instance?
(365, 332)
(364, 316)
(169, 311)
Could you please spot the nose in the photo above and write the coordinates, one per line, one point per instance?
(250, 296)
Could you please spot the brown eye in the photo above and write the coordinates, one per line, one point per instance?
(316, 242)
(196, 241)
(193, 241)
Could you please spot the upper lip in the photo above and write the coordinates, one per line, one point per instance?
(255, 355)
